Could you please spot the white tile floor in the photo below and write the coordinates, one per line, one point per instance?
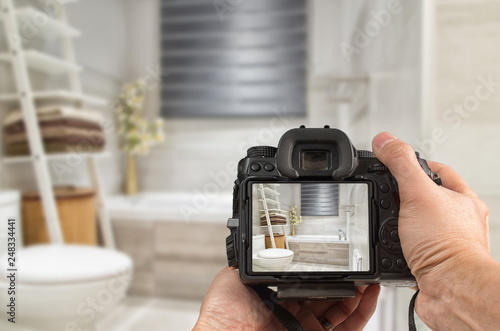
(304, 266)
(139, 313)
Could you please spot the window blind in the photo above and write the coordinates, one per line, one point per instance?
(246, 58)
(319, 199)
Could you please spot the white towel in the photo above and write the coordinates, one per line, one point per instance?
(55, 112)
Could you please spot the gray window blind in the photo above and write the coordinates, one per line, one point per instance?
(319, 199)
(233, 58)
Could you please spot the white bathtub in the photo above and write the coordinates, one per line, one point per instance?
(317, 239)
(170, 206)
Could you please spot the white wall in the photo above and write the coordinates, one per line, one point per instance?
(466, 44)
(468, 47)
(101, 51)
(216, 143)
(105, 42)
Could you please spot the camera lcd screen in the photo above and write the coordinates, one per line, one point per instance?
(310, 227)
(314, 160)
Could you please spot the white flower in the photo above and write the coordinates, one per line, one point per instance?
(139, 134)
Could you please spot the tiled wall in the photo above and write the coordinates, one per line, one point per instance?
(172, 259)
(468, 47)
(321, 225)
(323, 253)
(359, 227)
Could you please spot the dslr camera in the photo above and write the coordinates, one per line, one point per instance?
(315, 217)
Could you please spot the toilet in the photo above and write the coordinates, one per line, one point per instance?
(64, 287)
(271, 259)
(58, 287)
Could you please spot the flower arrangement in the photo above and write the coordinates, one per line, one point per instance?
(294, 219)
(138, 133)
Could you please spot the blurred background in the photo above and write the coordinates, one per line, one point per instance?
(147, 170)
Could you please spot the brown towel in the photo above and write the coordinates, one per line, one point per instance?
(275, 218)
(61, 132)
(53, 147)
(18, 127)
(273, 222)
(55, 112)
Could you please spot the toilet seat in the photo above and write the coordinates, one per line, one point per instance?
(62, 264)
(274, 253)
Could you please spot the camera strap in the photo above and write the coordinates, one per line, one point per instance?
(411, 313)
(268, 296)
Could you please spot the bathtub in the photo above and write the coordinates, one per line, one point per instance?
(176, 206)
(316, 239)
(176, 240)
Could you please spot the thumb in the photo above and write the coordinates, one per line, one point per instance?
(401, 160)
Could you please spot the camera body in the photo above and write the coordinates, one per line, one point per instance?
(319, 173)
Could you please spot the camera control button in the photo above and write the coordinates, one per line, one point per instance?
(269, 167)
(394, 235)
(401, 263)
(387, 263)
(385, 188)
(385, 203)
(395, 247)
(384, 238)
(255, 167)
(389, 236)
(395, 213)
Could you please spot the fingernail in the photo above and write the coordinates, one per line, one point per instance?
(383, 139)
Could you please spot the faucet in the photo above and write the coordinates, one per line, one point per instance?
(342, 235)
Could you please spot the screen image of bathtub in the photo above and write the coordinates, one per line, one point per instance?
(310, 227)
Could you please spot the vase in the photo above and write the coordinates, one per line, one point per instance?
(293, 230)
(131, 180)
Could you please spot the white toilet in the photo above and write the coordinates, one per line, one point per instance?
(271, 259)
(58, 287)
(65, 287)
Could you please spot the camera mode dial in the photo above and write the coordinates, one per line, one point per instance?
(365, 154)
(230, 252)
(262, 151)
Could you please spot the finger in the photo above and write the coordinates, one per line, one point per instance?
(318, 308)
(358, 319)
(307, 320)
(292, 306)
(452, 180)
(340, 312)
(401, 160)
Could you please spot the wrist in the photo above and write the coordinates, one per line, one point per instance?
(208, 321)
(450, 290)
(457, 270)
(202, 324)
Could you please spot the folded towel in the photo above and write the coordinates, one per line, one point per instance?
(87, 140)
(273, 214)
(274, 219)
(56, 112)
(63, 133)
(273, 222)
(52, 147)
(66, 122)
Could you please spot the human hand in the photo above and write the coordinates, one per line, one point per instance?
(230, 305)
(443, 230)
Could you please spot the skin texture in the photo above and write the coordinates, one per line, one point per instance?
(445, 240)
(230, 305)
